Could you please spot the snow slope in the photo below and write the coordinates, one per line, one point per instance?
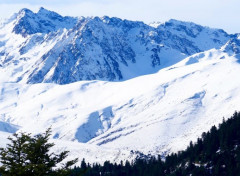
(184, 79)
(154, 114)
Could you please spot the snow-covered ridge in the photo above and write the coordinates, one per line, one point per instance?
(44, 21)
(47, 47)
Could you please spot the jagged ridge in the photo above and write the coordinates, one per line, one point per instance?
(65, 49)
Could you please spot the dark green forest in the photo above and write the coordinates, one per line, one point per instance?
(217, 152)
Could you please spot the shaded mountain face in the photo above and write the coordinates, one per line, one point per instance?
(232, 47)
(47, 47)
(28, 23)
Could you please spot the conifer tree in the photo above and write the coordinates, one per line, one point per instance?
(28, 155)
(13, 157)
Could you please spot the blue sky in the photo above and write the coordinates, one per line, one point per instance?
(223, 14)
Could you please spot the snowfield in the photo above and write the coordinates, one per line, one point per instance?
(151, 114)
(166, 97)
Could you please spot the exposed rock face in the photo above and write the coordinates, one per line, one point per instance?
(53, 48)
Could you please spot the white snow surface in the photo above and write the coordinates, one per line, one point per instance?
(152, 114)
(153, 110)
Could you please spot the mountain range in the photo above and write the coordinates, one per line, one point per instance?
(114, 89)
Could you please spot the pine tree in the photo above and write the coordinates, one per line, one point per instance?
(28, 155)
(13, 157)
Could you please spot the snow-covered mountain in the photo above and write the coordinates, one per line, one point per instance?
(112, 89)
(46, 47)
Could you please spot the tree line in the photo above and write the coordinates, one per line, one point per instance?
(216, 152)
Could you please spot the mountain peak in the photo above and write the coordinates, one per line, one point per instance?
(44, 21)
(24, 12)
(49, 13)
(44, 11)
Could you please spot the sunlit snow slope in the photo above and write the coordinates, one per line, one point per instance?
(99, 120)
